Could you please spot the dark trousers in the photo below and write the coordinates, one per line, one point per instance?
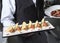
(36, 38)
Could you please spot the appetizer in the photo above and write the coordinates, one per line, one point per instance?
(43, 23)
(30, 25)
(37, 24)
(10, 29)
(24, 26)
(17, 27)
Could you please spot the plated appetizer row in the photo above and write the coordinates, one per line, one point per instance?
(25, 26)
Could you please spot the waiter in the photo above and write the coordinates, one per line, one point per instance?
(23, 10)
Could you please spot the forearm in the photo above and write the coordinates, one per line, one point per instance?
(7, 13)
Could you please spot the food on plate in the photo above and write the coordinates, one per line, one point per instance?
(24, 26)
(30, 25)
(37, 24)
(43, 23)
(42, 20)
(10, 29)
(17, 27)
(13, 28)
(56, 13)
(27, 28)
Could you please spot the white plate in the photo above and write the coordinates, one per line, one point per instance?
(28, 31)
(50, 9)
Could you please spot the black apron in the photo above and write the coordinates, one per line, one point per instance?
(26, 10)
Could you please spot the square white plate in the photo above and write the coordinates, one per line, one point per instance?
(6, 34)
